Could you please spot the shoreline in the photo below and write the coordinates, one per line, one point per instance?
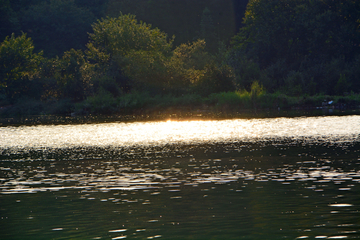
(171, 114)
(142, 107)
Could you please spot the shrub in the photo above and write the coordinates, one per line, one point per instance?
(101, 103)
(214, 79)
(19, 65)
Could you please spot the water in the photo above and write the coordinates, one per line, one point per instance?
(278, 178)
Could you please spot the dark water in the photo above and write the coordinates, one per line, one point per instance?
(274, 188)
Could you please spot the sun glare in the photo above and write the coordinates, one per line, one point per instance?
(182, 132)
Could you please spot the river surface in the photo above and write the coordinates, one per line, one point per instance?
(272, 178)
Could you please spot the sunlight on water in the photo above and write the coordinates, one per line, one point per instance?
(278, 178)
(345, 128)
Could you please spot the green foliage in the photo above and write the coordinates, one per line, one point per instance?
(193, 55)
(24, 107)
(101, 103)
(246, 70)
(256, 89)
(214, 79)
(121, 35)
(234, 99)
(18, 66)
(299, 46)
(71, 82)
(342, 85)
(134, 100)
(64, 106)
(140, 51)
(240, 99)
(189, 61)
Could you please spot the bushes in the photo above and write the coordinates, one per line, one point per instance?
(138, 50)
(133, 100)
(240, 99)
(23, 107)
(214, 79)
(19, 66)
(101, 103)
(130, 65)
(299, 47)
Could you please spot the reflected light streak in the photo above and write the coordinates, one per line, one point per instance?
(346, 128)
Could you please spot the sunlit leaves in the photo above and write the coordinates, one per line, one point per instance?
(118, 36)
(140, 51)
(18, 63)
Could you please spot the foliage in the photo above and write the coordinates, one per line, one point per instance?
(18, 66)
(245, 69)
(101, 103)
(71, 81)
(24, 107)
(136, 48)
(180, 18)
(189, 61)
(241, 99)
(118, 36)
(214, 79)
(133, 100)
(299, 46)
(193, 55)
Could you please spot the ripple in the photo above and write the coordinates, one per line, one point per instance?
(341, 205)
(118, 230)
(185, 132)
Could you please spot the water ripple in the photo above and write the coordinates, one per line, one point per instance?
(335, 129)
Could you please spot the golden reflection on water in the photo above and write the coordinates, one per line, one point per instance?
(297, 179)
(345, 128)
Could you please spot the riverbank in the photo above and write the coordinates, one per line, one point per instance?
(143, 107)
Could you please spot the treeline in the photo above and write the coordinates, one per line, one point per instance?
(57, 58)
(299, 46)
(56, 26)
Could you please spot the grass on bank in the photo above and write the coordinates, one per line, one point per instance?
(143, 103)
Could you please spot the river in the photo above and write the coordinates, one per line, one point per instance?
(269, 178)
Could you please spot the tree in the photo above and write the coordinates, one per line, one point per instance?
(190, 59)
(293, 29)
(297, 41)
(71, 81)
(19, 66)
(137, 49)
(119, 36)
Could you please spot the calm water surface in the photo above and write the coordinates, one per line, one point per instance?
(278, 178)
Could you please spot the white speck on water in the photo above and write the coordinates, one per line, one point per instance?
(340, 205)
(118, 230)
